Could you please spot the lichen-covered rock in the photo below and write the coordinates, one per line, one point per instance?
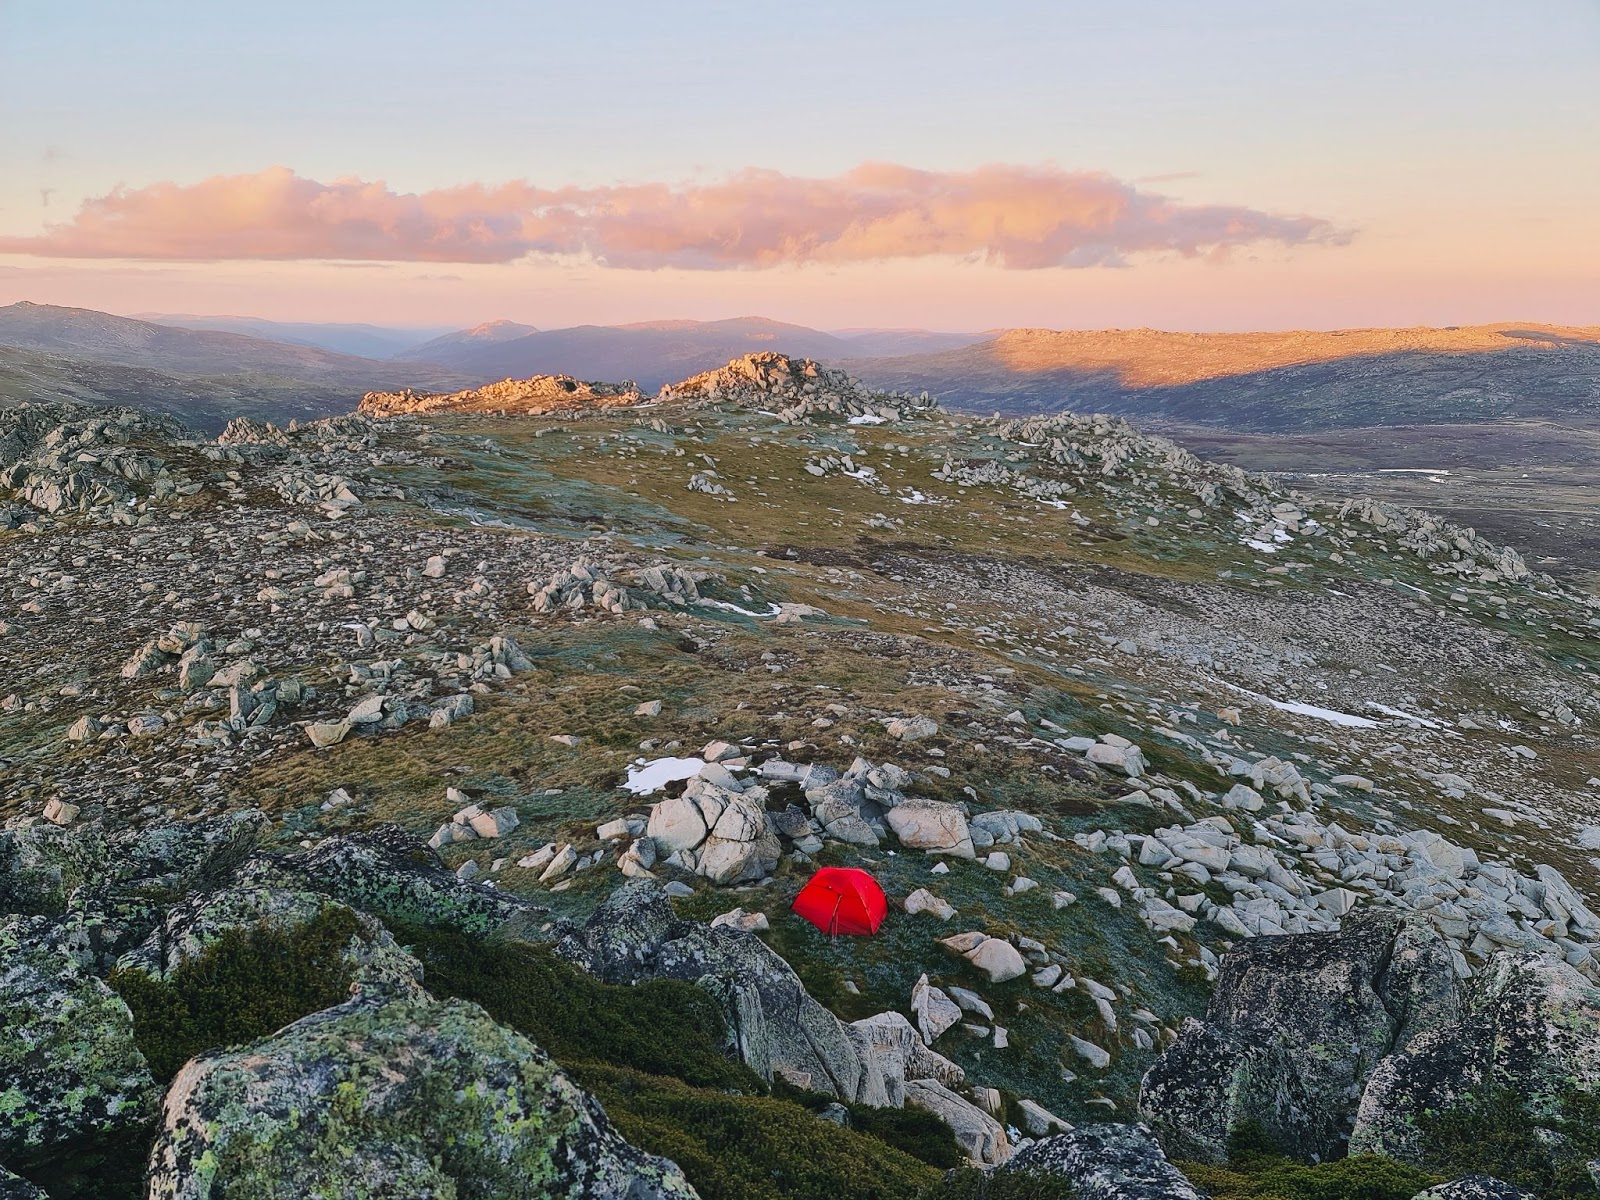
(1295, 1027)
(774, 1023)
(122, 881)
(70, 1072)
(374, 958)
(387, 1098)
(389, 873)
(1107, 1162)
(42, 865)
(1531, 1035)
(1474, 1187)
(143, 870)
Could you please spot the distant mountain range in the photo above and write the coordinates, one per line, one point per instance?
(363, 341)
(650, 353)
(205, 376)
(482, 349)
(1272, 382)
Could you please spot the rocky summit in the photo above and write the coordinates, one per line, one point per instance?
(412, 804)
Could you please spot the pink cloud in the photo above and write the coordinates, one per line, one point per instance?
(1012, 216)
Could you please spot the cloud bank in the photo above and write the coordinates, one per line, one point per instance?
(1016, 217)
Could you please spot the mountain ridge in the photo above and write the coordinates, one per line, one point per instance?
(362, 340)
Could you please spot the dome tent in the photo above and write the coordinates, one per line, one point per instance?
(842, 900)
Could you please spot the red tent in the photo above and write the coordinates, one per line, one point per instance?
(842, 900)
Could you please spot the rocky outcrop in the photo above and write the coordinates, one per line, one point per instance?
(719, 830)
(1530, 1038)
(774, 1024)
(616, 588)
(1430, 536)
(901, 1055)
(117, 883)
(798, 389)
(1107, 1162)
(1362, 1040)
(70, 1072)
(62, 458)
(1295, 1028)
(41, 866)
(532, 396)
(403, 1097)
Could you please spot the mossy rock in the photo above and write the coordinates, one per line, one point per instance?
(72, 1076)
(247, 982)
(370, 957)
(387, 1097)
(663, 1027)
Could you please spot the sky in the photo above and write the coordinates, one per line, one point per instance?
(1239, 164)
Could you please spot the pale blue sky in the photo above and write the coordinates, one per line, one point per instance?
(1430, 127)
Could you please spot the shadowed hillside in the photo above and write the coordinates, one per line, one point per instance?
(1268, 382)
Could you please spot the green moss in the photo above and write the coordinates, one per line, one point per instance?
(247, 983)
(1494, 1132)
(916, 1132)
(754, 1147)
(1362, 1177)
(662, 1027)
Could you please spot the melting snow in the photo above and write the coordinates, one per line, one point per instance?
(647, 777)
(867, 419)
(917, 497)
(1311, 710)
(772, 610)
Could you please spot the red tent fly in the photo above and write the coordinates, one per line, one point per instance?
(842, 900)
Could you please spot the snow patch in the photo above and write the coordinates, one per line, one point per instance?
(1333, 715)
(645, 777)
(772, 610)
